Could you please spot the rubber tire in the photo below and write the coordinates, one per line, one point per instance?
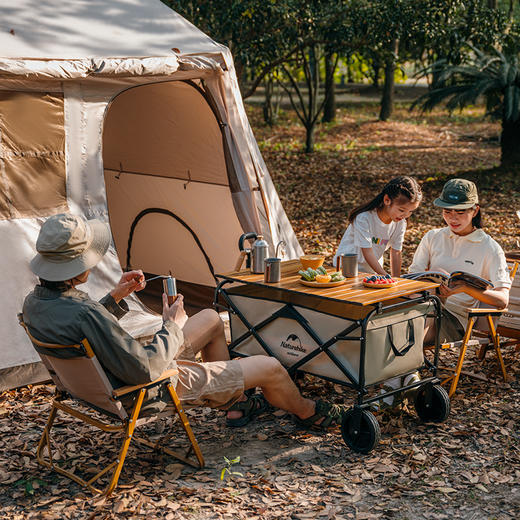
(439, 408)
(369, 435)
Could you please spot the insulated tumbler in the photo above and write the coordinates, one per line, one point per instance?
(349, 265)
(272, 270)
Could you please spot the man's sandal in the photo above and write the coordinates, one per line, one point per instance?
(253, 406)
(330, 413)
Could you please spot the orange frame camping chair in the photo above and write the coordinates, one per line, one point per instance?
(83, 379)
(479, 319)
(484, 340)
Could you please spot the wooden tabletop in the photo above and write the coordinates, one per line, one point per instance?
(353, 291)
(513, 256)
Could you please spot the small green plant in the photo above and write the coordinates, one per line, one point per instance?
(227, 469)
(31, 484)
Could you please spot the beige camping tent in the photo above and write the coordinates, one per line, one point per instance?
(123, 111)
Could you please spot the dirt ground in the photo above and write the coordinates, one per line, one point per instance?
(467, 467)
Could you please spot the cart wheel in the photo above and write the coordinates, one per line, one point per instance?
(360, 430)
(432, 403)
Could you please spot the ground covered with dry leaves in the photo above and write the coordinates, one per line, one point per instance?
(468, 467)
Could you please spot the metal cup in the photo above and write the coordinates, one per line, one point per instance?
(272, 270)
(349, 265)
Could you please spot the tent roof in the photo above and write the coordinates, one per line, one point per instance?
(72, 29)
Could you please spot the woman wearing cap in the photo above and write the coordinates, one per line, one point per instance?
(56, 312)
(462, 246)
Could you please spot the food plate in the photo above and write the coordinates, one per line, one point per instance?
(324, 285)
(380, 285)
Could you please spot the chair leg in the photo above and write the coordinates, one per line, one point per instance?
(462, 354)
(496, 345)
(186, 424)
(46, 440)
(126, 443)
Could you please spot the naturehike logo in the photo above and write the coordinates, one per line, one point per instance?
(293, 342)
(469, 262)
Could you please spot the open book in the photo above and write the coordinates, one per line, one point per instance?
(438, 277)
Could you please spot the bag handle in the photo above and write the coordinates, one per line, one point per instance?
(411, 340)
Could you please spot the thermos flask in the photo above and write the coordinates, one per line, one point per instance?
(259, 252)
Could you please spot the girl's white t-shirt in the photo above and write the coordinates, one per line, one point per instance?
(476, 253)
(368, 230)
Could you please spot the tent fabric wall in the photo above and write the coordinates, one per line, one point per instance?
(207, 208)
(144, 123)
(32, 154)
(87, 53)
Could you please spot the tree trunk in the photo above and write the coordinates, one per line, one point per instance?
(350, 79)
(268, 102)
(329, 111)
(387, 100)
(376, 67)
(309, 138)
(510, 144)
(241, 73)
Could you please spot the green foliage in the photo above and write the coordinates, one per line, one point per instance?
(228, 468)
(495, 76)
(31, 484)
(287, 42)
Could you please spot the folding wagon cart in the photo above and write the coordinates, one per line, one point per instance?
(350, 335)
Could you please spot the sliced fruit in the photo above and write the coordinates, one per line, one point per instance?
(323, 278)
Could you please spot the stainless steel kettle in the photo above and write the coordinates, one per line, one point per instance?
(256, 255)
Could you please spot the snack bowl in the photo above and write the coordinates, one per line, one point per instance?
(312, 261)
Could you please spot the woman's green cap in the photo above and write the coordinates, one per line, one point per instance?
(458, 194)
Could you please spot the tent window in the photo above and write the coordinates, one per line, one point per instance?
(32, 154)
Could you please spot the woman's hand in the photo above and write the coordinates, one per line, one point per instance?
(174, 312)
(456, 288)
(130, 281)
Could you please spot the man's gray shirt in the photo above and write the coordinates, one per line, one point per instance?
(70, 316)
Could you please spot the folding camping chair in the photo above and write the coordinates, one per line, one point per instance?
(478, 320)
(82, 379)
(481, 332)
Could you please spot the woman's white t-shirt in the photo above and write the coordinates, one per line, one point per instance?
(476, 253)
(368, 230)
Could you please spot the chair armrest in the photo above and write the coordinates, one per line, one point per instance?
(118, 392)
(483, 312)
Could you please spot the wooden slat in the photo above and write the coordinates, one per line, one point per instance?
(512, 256)
(353, 291)
(484, 311)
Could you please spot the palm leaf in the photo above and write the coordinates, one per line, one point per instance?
(495, 76)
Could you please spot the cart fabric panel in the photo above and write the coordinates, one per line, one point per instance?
(394, 339)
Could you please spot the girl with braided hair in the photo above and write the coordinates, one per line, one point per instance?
(379, 225)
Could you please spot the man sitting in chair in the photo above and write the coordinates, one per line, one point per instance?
(56, 312)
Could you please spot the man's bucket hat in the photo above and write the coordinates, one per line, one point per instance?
(458, 194)
(69, 245)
